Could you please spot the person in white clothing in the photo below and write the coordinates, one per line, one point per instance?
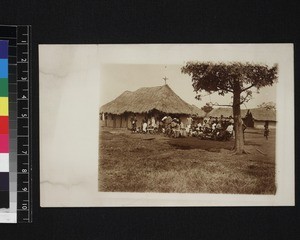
(145, 127)
(229, 129)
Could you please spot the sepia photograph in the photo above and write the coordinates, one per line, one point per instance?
(166, 125)
(153, 139)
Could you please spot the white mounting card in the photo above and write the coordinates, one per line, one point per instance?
(77, 80)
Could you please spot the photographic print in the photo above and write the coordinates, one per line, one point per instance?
(167, 125)
(151, 140)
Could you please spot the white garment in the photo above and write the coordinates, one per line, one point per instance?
(188, 128)
(153, 122)
(145, 127)
(230, 129)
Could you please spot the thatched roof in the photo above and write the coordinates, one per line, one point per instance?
(217, 112)
(263, 114)
(161, 98)
(197, 111)
(259, 114)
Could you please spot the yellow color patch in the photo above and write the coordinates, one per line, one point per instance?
(3, 106)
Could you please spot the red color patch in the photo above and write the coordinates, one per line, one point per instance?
(4, 143)
(4, 125)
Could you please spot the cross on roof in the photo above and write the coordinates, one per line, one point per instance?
(165, 78)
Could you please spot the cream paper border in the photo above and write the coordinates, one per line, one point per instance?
(69, 80)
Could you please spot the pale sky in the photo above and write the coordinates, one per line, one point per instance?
(132, 66)
(117, 78)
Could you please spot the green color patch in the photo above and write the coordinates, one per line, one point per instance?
(3, 87)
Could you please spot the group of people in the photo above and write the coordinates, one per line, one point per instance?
(219, 123)
(175, 127)
(217, 126)
(172, 126)
(147, 125)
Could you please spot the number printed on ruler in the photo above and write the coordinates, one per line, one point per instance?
(23, 116)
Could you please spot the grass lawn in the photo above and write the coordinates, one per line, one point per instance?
(154, 163)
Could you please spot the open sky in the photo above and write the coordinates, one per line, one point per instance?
(117, 78)
(132, 66)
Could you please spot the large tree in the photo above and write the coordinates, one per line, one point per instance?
(236, 78)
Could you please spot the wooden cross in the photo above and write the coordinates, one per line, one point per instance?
(165, 78)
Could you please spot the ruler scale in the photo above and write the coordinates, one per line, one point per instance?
(19, 119)
(23, 154)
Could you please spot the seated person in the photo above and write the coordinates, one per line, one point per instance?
(213, 126)
(206, 127)
(229, 129)
(219, 126)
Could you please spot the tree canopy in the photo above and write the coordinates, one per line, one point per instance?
(207, 107)
(230, 77)
(267, 105)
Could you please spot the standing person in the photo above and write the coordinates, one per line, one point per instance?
(133, 124)
(160, 126)
(163, 124)
(153, 121)
(266, 131)
(148, 122)
(157, 124)
(189, 124)
(175, 127)
(167, 125)
(131, 121)
(145, 126)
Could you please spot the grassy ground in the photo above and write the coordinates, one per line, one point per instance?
(153, 163)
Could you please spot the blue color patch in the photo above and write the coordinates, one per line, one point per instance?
(3, 49)
(3, 68)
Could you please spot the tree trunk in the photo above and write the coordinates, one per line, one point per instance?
(238, 123)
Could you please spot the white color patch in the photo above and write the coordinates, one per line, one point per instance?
(4, 162)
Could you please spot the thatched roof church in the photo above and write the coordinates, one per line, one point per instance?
(147, 101)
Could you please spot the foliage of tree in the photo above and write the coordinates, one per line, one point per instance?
(268, 105)
(207, 107)
(236, 78)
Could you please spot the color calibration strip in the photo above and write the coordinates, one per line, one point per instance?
(4, 126)
(16, 88)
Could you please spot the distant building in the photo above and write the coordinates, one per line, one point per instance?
(255, 117)
(218, 112)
